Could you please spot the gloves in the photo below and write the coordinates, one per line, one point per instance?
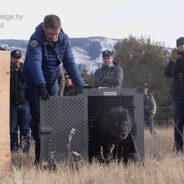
(174, 55)
(43, 92)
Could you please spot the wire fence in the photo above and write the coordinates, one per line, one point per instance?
(164, 116)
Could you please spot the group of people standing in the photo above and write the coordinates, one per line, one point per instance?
(37, 77)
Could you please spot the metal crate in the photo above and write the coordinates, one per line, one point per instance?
(60, 114)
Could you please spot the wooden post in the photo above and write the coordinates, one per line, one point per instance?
(5, 157)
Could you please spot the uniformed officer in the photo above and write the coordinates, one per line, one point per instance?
(110, 74)
(19, 108)
(175, 69)
(149, 108)
(48, 47)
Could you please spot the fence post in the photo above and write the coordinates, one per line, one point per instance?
(5, 157)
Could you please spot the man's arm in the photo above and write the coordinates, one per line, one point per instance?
(34, 57)
(153, 105)
(98, 81)
(115, 80)
(169, 70)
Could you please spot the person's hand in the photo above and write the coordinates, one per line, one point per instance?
(151, 116)
(43, 92)
(174, 55)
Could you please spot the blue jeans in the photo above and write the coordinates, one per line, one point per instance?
(150, 123)
(179, 122)
(33, 97)
(19, 117)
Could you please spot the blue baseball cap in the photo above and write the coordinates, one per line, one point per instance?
(107, 53)
(16, 53)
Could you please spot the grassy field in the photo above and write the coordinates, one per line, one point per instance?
(161, 166)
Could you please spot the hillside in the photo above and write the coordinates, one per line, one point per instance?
(87, 51)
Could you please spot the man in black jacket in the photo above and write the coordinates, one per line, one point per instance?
(19, 108)
(110, 74)
(175, 69)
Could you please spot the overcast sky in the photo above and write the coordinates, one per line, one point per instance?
(162, 20)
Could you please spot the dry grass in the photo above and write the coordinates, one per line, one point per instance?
(161, 166)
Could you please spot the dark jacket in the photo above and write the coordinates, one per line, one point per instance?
(69, 90)
(176, 70)
(42, 60)
(109, 76)
(16, 87)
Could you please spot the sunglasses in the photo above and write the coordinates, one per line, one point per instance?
(67, 77)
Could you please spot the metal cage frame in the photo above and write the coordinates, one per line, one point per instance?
(59, 115)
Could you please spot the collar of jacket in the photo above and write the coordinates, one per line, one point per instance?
(113, 64)
(107, 66)
(16, 69)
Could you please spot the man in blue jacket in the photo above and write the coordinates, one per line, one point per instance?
(48, 47)
(175, 69)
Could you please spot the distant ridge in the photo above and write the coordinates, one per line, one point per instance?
(87, 51)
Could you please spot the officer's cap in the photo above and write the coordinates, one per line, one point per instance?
(16, 53)
(107, 53)
(179, 41)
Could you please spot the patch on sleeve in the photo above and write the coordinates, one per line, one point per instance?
(34, 43)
